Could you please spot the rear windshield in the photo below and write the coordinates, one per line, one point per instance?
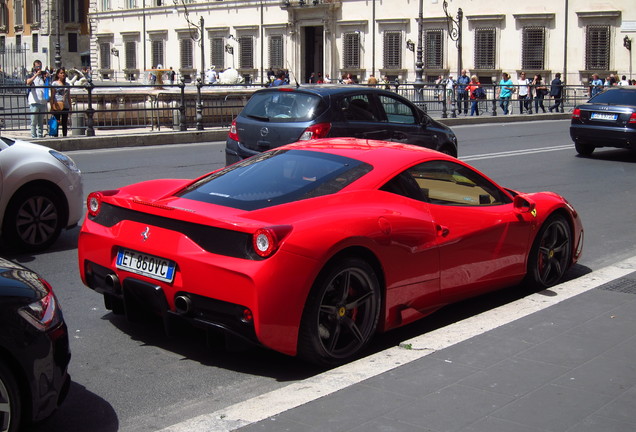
(616, 97)
(277, 177)
(284, 106)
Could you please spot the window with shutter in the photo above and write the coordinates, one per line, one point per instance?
(433, 49)
(533, 48)
(393, 50)
(351, 51)
(597, 48)
(276, 52)
(485, 48)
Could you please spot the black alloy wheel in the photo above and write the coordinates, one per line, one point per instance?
(341, 314)
(9, 401)
(33, 219)
(551, 253)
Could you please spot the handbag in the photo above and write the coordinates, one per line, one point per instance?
(53, 125)
(57, 106)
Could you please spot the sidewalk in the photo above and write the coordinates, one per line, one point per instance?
(565, 367)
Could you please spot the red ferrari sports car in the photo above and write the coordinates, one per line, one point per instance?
(312, 248)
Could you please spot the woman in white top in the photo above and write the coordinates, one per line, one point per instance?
(61, 99)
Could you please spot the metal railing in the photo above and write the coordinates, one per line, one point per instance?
(107, 106)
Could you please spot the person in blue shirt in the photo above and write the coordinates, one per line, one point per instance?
(506, 87)
(596, 86)
(462, 93)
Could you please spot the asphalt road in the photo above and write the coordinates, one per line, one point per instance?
(130, 377)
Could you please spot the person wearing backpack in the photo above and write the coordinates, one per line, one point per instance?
(472, 91)
(36, 98)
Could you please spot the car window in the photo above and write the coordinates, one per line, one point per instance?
(283, 106)
(275, 178)
(397, 111)
(357, 108)
(446, 183)
(616, 97)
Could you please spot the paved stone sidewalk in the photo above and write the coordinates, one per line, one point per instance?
(569, 367)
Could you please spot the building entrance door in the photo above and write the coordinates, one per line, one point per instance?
(313, 52)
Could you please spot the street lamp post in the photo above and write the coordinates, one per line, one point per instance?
(58, 46)
(455, 34)
(419, 64)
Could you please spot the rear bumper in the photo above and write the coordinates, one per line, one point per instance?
(235, 151)
(600, 136)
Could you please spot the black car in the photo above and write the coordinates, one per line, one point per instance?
(281, 115)
(607, 120)
(34, 348)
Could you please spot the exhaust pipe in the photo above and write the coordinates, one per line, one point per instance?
(112, 282)
(183, 305)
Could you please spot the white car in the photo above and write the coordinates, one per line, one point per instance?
(41, 193)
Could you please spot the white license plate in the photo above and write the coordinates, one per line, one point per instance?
(148, 265)
(604, 116)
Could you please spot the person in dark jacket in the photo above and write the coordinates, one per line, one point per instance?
(556, 92)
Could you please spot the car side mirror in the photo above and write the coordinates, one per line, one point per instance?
(523, 204)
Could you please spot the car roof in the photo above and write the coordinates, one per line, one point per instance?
(326, 89)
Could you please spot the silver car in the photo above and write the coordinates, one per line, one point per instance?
(41, 194)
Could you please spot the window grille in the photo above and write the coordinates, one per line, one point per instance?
(104, 55)
(597, 48)
(217, 52)
(485, 48)
(246, 52)
(533, 48)
(35, 42)
(351, 51)
(130, 54)
(433, 49)
(393, 50)
(186, 53)
(105, 5)
(157, 53)
(276, 58)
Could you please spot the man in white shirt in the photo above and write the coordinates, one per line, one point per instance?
(623, 81)
(36, 100)
(525, 98)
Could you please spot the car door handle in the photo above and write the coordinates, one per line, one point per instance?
(442, 231)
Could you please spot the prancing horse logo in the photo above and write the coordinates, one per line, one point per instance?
(145, 234)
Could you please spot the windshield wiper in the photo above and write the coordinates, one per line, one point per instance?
(257, 117)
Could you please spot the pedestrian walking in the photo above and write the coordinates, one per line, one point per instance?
(556, 92)
(540, 90)
(471, 89)
(506, 89)
(61, 100)
(171, 75)
(36, 81)
(462, 94)
(524, 95)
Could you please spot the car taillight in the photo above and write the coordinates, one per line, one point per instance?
(632, 118)
(266, 240)
(233, 134)
(94, 203)
(316, 131)
(44, 313)
(576, 113)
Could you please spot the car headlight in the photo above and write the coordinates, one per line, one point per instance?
(66, 161)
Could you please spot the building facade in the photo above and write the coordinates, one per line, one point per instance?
(357, 37)
(55, 32)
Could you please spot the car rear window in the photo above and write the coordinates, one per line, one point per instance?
(284, 106)
(277, 177)
(616, 97)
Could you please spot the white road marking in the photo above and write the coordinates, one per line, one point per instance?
(302, 392)
(517, 152)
